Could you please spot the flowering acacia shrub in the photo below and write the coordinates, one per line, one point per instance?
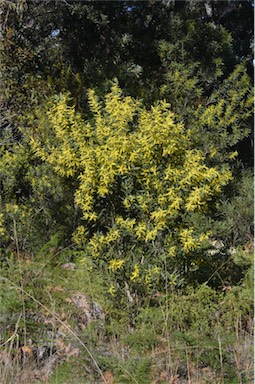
(138, 176)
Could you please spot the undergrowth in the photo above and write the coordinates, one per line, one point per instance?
(195, 334)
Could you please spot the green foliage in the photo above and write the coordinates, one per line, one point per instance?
(193, 65)
(237, 225)
(33, 198)
(68, 372)
(224, 121)
(141, 371)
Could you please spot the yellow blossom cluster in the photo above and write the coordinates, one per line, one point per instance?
(2, 229)
(115, 264)
(135, 273)
(137, 173)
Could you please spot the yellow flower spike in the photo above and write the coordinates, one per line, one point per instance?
(204, 236)
(140, 230)
(151, 235)
(111, 236)
(102, 190)
(115, 265)
(112, 290)
(172, 251)
(135, 274)
(187, 241)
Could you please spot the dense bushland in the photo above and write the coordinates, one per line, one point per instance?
(126, 222)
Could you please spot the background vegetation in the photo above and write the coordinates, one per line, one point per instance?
(126, 173)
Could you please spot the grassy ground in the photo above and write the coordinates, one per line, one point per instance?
(192, 335)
